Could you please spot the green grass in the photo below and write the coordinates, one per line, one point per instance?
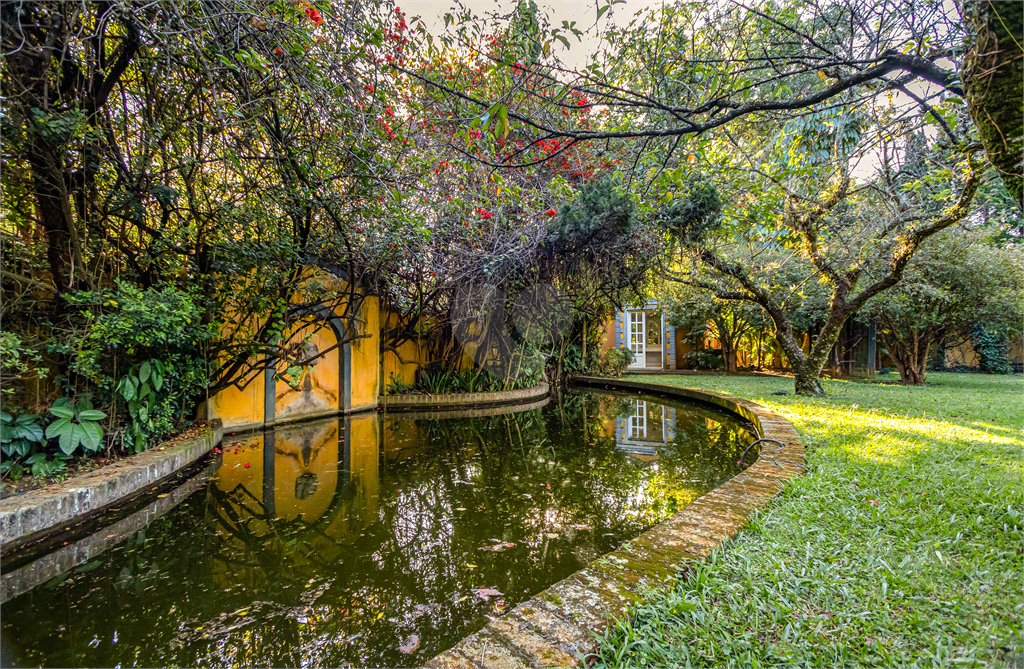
(931, 576)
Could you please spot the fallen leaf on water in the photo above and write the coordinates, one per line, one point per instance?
(581, 527)
(460, 508)
(410, 645)
(551, 535)
(163, 495)
(471, 566)
(462, 599)
(484, 593)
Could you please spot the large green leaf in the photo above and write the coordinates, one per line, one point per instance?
(62, 411)
(57, 428)
(144, 371)
(127, 388)
(71, 438)
(91, 414)
(92, 435)
(29, 431)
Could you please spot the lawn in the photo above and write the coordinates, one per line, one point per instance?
(901, 547)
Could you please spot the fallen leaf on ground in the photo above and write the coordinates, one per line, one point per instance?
(410, 645)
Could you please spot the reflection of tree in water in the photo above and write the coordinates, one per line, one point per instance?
(392, 556)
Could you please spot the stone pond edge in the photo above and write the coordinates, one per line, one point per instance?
(24, 516)
(460, 400)
(559, 625)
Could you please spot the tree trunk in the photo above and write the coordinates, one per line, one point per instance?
(808, 371)
(994, 84)
(728, 353)
(808, 379)
(909, 354)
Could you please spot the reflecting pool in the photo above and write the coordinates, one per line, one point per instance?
(370, 540)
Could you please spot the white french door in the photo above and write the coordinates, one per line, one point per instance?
(638, 337)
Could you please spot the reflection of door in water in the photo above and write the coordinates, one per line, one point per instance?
(647, 427)
(305, 470)
(638, 421)
(638, 337)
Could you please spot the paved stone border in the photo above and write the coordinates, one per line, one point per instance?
(23, 516)
(460, 400)
(557, 627)
(472, 412)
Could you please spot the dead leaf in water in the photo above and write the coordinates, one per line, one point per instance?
(484, 593)
(410, 645)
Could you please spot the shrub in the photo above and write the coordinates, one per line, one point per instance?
(615, 360)
(993, 347)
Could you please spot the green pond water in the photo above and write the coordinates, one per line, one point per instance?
(372, 540)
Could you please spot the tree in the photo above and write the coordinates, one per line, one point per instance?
(994, 84)
(230, 152)
(730, 322)
(800, 205)
(681, 70)
(957, 280)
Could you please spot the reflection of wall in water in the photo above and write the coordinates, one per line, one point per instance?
(319, 479)
(650, 425)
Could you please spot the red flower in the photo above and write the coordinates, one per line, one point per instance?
(551, 212)
(246, 465)
(314, 15)
(278, 51)
(484, 213)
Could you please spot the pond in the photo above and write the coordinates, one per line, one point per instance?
(370, 540)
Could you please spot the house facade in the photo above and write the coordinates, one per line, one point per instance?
(644, 330)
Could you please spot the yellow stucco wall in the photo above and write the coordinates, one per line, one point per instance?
(365, 358)
(318, 387)
(239, 407)
(402, 364)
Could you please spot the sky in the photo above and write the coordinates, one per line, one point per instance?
(583, 12)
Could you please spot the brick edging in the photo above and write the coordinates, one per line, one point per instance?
(559, 625)
(462, 400)
(23, 516)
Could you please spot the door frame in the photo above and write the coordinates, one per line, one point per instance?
(635, 338)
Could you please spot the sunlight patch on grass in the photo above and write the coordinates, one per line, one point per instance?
(900, 547)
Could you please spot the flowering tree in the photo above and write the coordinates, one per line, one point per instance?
(215, 153)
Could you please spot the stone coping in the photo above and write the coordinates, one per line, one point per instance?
(559, 626)
(23, 516)
(460, 400)
(472, 412)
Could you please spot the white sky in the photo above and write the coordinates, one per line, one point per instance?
(583, 12)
